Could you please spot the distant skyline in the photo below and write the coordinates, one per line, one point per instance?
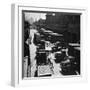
(31, 17)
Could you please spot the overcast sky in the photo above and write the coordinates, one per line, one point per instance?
(34, 16)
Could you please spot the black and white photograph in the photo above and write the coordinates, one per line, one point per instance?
(51, 44)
